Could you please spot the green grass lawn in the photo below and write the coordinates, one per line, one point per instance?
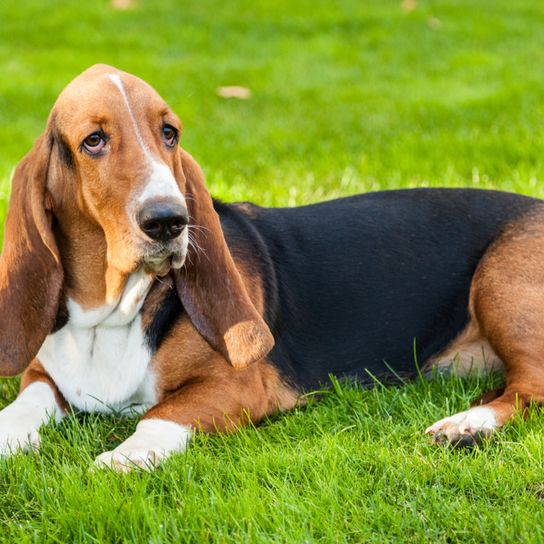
(347, 96)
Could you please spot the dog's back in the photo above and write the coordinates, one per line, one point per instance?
(371, 281)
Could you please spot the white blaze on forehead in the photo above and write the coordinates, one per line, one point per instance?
(119, 84)
(161, 182)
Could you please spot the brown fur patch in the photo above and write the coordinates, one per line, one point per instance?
(507, 302)
(201, 389)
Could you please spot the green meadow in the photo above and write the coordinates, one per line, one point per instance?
(346, 97)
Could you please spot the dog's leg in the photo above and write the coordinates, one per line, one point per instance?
(167, 428)
(37, 403)
(219, 402)
(507, 306)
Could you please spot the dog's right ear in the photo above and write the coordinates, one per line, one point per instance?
(31, 274)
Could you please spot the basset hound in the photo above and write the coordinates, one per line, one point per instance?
(124, 285)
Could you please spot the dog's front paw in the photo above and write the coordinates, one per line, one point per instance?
(21, 420)
(466, 428)
(151, 443)
(15, 435)
(123, 459)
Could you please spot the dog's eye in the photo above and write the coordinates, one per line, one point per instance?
(170, 135)
(94, 143)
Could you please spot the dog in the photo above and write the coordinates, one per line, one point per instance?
(124, 286)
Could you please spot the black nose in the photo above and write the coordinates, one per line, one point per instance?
(163, 221)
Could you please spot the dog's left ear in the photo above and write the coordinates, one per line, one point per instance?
(209, 284)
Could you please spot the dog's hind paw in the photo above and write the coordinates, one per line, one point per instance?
(466, 428)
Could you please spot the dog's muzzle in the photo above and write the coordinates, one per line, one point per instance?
(164, 222)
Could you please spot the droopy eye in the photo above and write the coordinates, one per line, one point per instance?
(94, 143)
(170, 135)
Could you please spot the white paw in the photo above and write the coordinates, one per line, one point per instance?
(14, 437)
(466, 428)
(125, 460)
(152, 442)
(20, 421)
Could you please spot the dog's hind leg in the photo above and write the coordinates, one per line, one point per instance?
(507, 306)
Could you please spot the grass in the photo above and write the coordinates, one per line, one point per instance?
(347, 97)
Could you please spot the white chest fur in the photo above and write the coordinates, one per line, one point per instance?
(99, 360)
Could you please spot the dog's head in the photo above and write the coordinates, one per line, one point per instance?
(110, 155)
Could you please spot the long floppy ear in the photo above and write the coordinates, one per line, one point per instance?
(31, 275)
(210, 286)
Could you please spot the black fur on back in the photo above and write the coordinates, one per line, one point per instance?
(371, 281)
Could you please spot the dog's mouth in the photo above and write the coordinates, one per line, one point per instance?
(161, 263)
(158, 257)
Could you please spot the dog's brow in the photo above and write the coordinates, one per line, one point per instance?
(119, 84)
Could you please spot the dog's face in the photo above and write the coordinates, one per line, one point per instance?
(118, 140)
(109, 158)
